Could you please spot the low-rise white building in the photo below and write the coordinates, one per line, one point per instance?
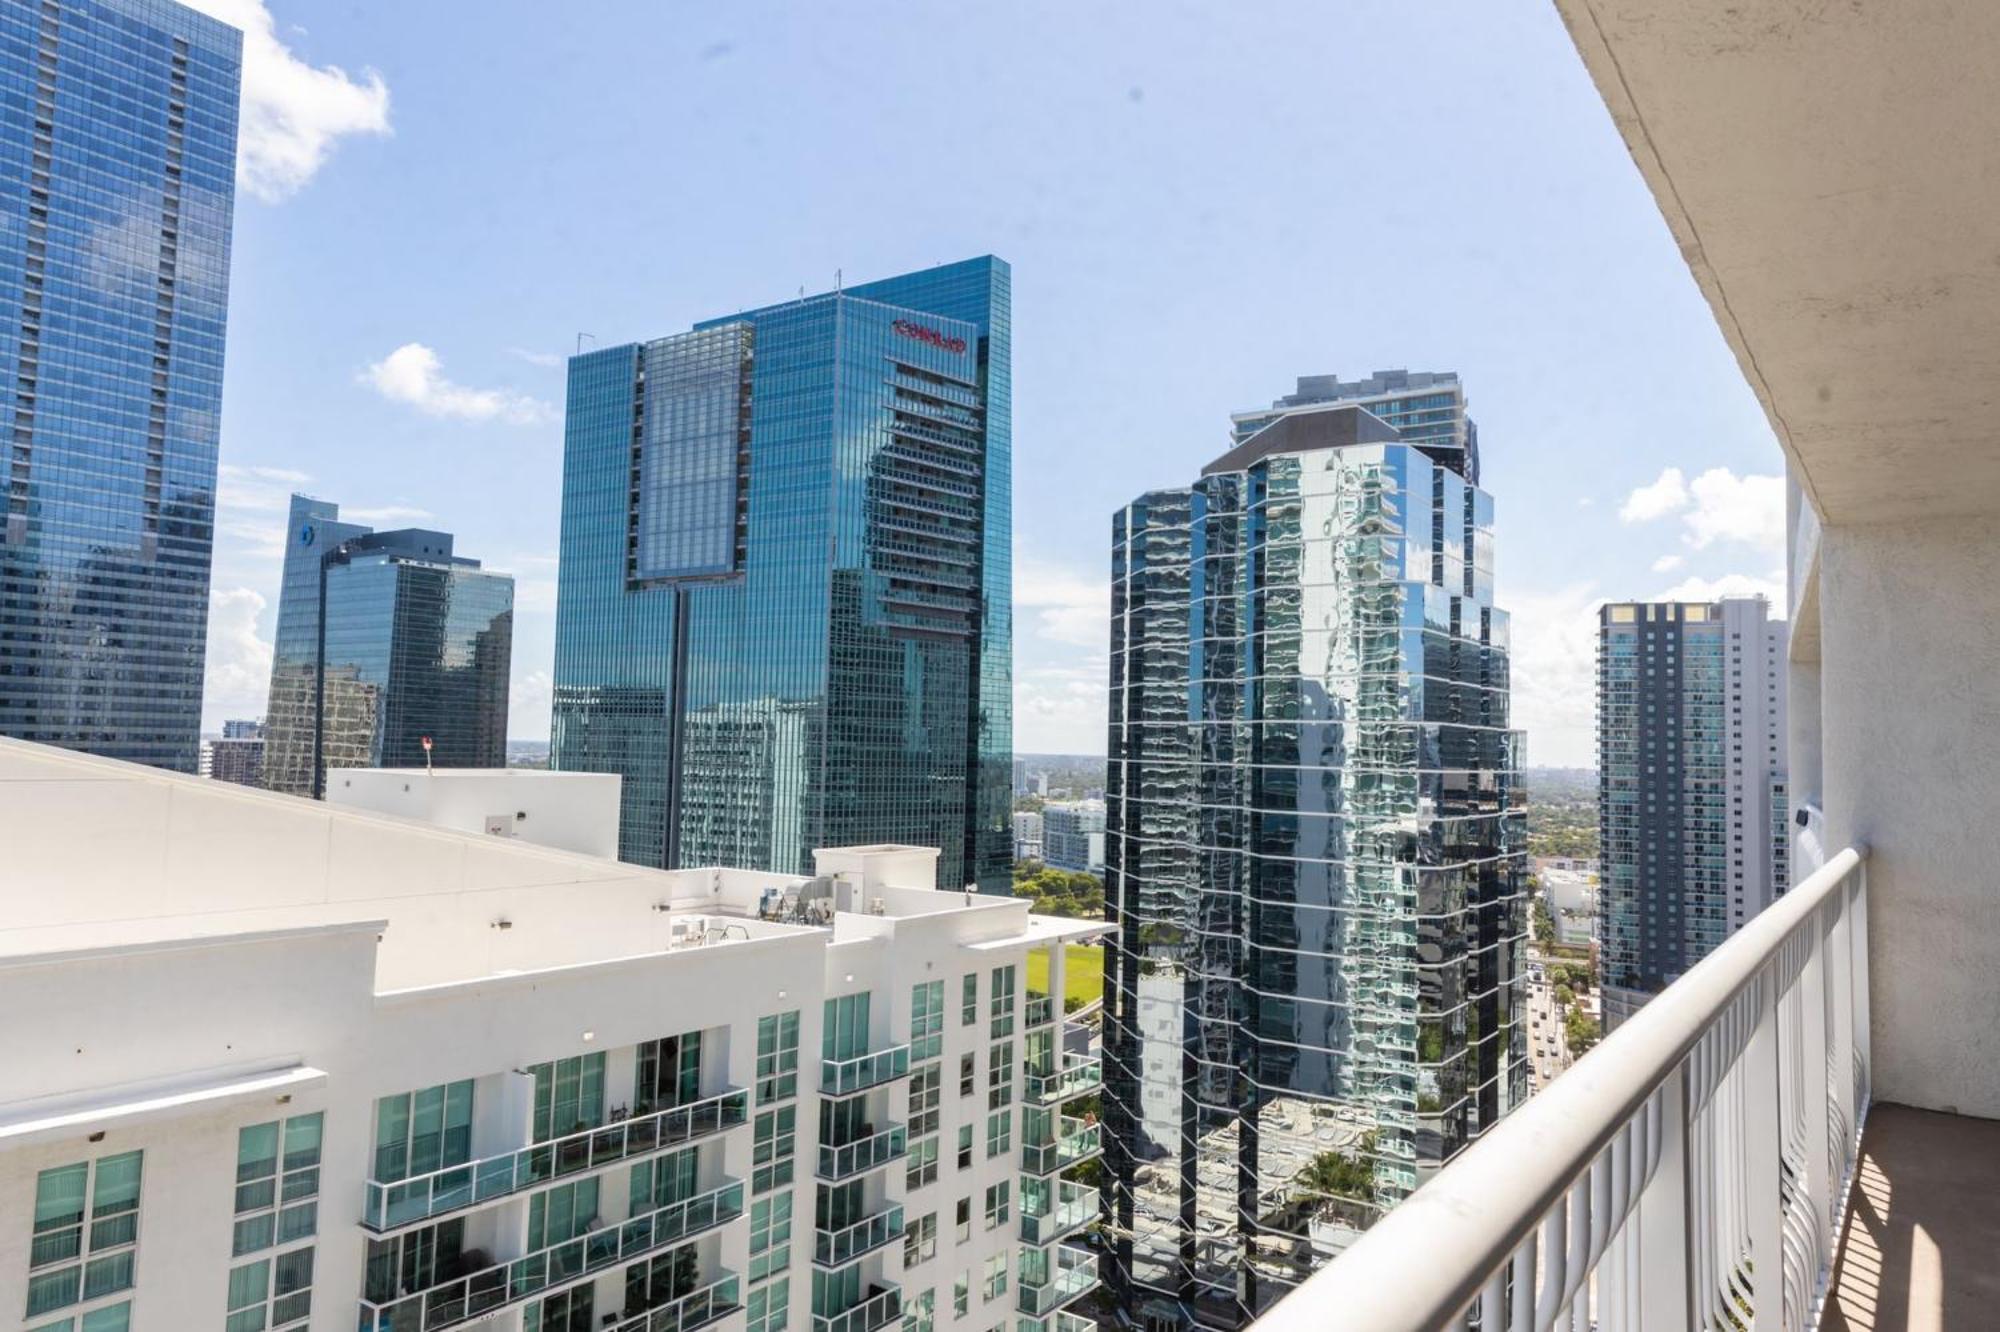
(571, 811)
(273, 1063)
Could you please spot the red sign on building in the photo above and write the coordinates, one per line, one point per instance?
(925, 333)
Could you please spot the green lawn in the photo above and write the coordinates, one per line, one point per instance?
(1083, 973)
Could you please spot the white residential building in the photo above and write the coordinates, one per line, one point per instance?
(1027, 835)
(1073, 836)
(274, 1063)
(571, 811)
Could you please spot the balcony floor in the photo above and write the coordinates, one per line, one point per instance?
(1921, 1252)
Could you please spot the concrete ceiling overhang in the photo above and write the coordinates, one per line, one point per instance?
(1831, 171)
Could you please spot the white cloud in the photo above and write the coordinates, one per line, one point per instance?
(1668, 563)
(528, 700)
(293, 112)
(412, 374)
(1727, 507)
(1771, 587)
(1554, 673)
(239, 662)
(1060, 709)
(1069, 607)
(1716, 506)
(1584, 501)
(1666, 495)
(546, 360)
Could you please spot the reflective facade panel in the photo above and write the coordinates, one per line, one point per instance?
(117, 188)
(417, 643)
(1314, 858)
(784, 599)
(1691, 783)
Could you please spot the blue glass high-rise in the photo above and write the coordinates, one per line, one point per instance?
(784, 611)
(117, 186)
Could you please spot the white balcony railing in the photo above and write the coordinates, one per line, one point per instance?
(1690, 1172)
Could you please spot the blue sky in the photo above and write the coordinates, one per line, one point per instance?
(1200, 203)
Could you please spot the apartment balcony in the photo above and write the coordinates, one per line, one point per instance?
(849, 1077)
(1071, 1272)
(882, 1306)
(474, 1295)
(698, 1308)
(1077, 1075)
(1697, 1169)
(1072, 1207)
(838, 1161)
(425, 1197)
(838, 1248)
(1075, 1140)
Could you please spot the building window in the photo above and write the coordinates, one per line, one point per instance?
(961, 1293)
(999, 1133)
(845, 1033)
(111, 1318)
(1002, 1005)
(962, 1220)
(106, 1195)
(920, 1313)
(275, 1206)
(996, 1276)
(926, 1020)
(920, 1240)
(965, 1146)
(968, 1000)
(567, 1311)
(664, 1181)
(561, 1213)
(770, 1236)
(968, 1076)
(996, 1204)
(569, 1096)
(421, 1131)
(776, 1138)
(669, 1073)
(924, 1096)
(271, 1292)
(770, 1306)
(778, 1057)
(922, 1167)
(1000, 1075)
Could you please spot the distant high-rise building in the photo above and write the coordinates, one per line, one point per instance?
(1027, 835)
(416, 647)
(784, 609)
(1020, 776)
(1073, 836)
(1691, 784)
(1426, 407)
(1315, 856)
(119, 136)
(238, 756)
(242, 730)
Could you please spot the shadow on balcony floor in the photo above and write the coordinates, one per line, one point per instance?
(1922, 1248)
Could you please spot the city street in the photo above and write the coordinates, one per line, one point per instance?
(1548, 1050)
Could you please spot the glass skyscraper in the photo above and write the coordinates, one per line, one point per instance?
(418, 642)
(1314, 856)
(784, 610)
(117, 188)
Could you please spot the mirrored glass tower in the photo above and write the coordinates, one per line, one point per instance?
(1314, 854)
(784, 602)
(118, 138)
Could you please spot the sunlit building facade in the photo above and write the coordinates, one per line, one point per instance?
(784, 599)
(417, 646)
(1315, 856)
(117, 192)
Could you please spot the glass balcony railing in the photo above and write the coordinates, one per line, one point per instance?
(1072, 1272)
(1075, 1141)
(697, 1308)
(464, 1298)
(1069, 1322)
(883, 1306)
(844, 1077)
(1041, 1010)
(422, 1197)
(843, 1161)
(1074, 1206)
(837, 1248)
(1077, 1075)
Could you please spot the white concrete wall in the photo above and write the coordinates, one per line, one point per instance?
(571, 811)
(1909, 619)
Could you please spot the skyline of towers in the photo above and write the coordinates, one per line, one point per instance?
(1314, 851)
(416, 648)
(118, 199)
(784, 610)
(1692, 790)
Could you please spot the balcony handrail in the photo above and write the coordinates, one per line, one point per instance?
(856, 1073)
(673, 1315)
(839, 1160)
(481, 1180)
(1636, 1130)
(838, 1248)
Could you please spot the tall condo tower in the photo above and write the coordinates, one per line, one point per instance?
(1315, 852)
(1691, 785)
(119, 143)
(391, 652)
(784, 609)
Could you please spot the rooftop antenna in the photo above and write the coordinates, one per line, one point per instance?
(579, 341)
(836, 282)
